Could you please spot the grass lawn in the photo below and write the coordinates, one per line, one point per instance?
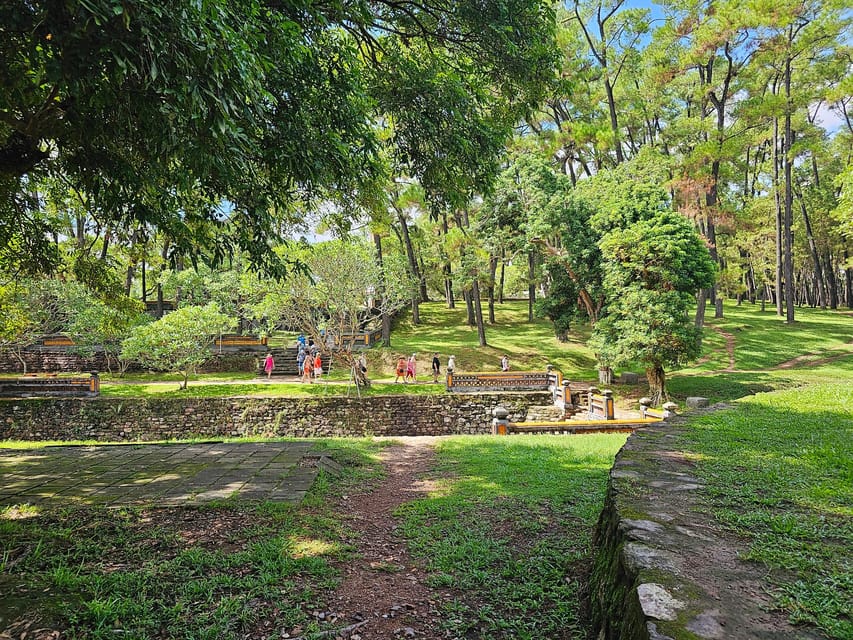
(219, 572)
(529, 345)
(779, 472)
(264, 389)
(509, 530)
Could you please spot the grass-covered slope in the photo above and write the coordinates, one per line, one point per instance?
(779, 472)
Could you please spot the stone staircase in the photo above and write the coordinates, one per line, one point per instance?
(285, 361)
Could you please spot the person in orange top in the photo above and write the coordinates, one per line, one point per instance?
(318, 365)
(307, 368)
(401, 369)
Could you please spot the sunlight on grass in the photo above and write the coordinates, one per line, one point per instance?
(311, 547)
(512, 516)
(779, 471)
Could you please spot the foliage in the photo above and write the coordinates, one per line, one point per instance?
(217, 124)
(652, 270)
(179, 341)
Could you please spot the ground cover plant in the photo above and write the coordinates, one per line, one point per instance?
(779, 473)
(509, 531)
(221, 571)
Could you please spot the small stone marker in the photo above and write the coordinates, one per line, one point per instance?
(696, 402)
(629, 378)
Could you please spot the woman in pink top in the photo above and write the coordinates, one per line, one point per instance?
(412, 368)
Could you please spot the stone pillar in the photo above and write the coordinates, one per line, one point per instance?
(645, 405)
(669, 410)
(609, 406)
(500, 422)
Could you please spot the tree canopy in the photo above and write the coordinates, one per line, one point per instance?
(216, 122)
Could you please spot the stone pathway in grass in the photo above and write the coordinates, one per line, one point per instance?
(165, 475)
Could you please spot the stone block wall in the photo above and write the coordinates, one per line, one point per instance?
(663, 568)
(119, 419)
(63, 360)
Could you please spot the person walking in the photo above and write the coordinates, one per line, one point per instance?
(300, 360)
(318, 366)
(436, 368)
(412, 368)
(401, 370)
(505, 363)
(307, 369)
(269, 365)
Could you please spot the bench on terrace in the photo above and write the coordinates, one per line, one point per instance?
(50, 385)
(235, 341)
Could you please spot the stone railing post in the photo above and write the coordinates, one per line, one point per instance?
(500, 421)
(669, 410)
(645, 405)
(609, 405)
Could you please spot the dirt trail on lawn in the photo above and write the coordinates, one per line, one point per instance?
(383, 594)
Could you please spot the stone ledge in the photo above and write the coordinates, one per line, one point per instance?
(148, 419)
(663, 569)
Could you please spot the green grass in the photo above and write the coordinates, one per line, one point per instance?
(260, 389)
(220, 571)
(530, 346)
(509, 529)
(779, 472)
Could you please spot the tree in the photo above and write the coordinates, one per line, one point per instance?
(652, 268)
(337, 297)
(179, 341)
(217, 122)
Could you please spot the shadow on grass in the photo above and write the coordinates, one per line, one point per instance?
(514, 518)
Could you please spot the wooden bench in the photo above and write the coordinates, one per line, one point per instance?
(499, 381)
(234, 341)
(361, 340)
(50, 385)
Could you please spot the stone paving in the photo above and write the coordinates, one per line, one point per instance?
(163, 475)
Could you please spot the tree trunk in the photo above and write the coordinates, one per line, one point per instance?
(848, 281)
(701, 300)
(614, 122)
(531, 285)
(501, 285)
(469, 308)
(818, 270)
(386, 317)
(657, 383)
(831, 281)
(788, 265)
(414, 269)
(478, 312)
(778, 200)
(493, 267)
(448, 281)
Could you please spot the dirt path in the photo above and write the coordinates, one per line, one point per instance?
(730, 350)
(840, 352)
(383, 594)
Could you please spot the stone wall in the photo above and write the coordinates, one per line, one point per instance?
(65, 360)
(115, 419)
(663, 569)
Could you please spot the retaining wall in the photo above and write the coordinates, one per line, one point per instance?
(65, 360)
(119, 419)
(663, 568)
